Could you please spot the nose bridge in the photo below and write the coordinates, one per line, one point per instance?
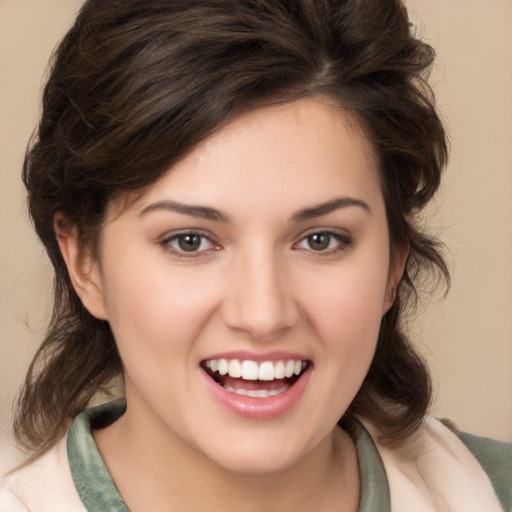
(261, 299)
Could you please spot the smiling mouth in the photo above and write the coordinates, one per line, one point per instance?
(255, 379)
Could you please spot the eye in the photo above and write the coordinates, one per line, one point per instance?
(189, 243)
(324, 241)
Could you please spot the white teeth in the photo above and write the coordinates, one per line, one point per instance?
(223, 366)
(278, 391)
(279, 372)
(251, 370)
(256, 393)
(266, 371)
(290, 365)
(235, 369)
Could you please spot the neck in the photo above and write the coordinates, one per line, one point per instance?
(137, 456)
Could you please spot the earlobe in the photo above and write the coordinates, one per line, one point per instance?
(389, 299)
(396, 272)
(83, 269)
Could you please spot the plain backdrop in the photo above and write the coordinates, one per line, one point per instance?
(467, 337)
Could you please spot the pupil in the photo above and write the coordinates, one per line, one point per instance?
(319, 241)
(189, 243)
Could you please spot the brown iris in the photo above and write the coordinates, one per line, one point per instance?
(189, 242)
(319, 241)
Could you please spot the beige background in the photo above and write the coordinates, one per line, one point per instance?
(467, 337)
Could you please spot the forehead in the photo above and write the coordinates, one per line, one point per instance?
(277, 157)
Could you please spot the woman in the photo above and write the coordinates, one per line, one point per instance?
(227, 193)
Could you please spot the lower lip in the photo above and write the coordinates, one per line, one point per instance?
(258, 408)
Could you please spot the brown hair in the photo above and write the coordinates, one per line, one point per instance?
(136, 84)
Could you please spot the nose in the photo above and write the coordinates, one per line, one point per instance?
(260, 299)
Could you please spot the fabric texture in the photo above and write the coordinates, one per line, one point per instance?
(438, 469)
(434, 471)
(44, 485)
(495, 457)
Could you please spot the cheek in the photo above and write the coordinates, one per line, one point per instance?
(350, 299)
(156, 322)
(346, 310)
(349, 325)
(154, 309)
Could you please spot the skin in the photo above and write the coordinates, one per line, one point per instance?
(255, 284)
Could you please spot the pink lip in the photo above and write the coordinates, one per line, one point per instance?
(242, 355)
(257, 408)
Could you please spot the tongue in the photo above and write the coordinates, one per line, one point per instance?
(269, 385)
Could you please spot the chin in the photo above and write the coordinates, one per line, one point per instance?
(257, 453)
(257, 464)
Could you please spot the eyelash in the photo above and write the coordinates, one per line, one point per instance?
(342, 243)
(181, 253)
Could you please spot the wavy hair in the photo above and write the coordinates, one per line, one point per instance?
(135, 85)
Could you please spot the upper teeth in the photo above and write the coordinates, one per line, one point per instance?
(252, 370)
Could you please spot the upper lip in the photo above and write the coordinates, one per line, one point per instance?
(245, 355)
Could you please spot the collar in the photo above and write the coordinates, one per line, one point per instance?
(98, 491)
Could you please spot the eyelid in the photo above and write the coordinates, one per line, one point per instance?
(344, 239)
(336, 232)
(165, 243)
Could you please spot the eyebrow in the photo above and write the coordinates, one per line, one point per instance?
(201, 212)
(328, 207)
(208, 213)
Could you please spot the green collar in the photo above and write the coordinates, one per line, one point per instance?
(93, 482)
(98, 492)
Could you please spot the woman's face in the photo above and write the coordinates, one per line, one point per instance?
(263, 254)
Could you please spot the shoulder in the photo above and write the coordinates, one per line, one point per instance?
(43, 485)
(495, 457)
(435, 469)
(9, 502)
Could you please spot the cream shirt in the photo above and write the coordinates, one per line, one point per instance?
(433, 471)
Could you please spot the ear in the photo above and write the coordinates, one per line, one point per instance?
(396, 271)
(83, 269)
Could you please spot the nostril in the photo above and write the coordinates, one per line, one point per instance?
(259, 301)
